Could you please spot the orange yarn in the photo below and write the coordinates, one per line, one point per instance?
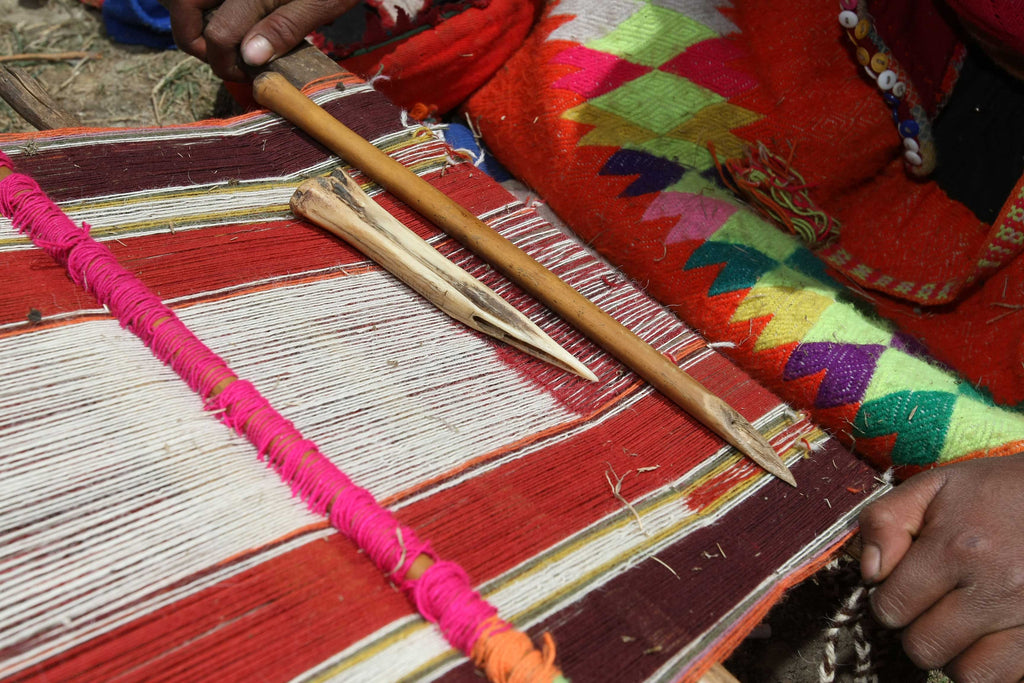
(508, 656)
(422, 112)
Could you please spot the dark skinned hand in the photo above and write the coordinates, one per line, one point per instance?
(246, 32)
(947, 550)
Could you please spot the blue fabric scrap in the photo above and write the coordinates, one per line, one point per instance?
(138, 22)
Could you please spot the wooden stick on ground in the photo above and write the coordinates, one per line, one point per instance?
(718, 674)
(49, 56)
(274, 92)
(20, 90)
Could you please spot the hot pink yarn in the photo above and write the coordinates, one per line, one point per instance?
(443, 595)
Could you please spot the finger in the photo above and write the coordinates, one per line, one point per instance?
(989, 598)
(950, 626)
(187, 26)
(993, 659)
(284, 28)
(224, 31)
(888, 526)
(920, 580)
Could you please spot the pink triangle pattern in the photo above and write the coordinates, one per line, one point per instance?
(699, 215)
(599, 72)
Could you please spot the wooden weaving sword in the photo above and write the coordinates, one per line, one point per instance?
(273, 91)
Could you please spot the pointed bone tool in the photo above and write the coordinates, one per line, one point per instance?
(337, 204)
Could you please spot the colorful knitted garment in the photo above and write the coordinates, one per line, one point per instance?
(900, 235)
(609, 111)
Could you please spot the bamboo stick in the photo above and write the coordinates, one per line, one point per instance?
(718, 674)
(274, 92)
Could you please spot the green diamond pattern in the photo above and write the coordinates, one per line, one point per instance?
(652, 36)
(922, 417)
(657, 101)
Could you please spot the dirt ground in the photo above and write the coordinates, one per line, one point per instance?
(113, 85)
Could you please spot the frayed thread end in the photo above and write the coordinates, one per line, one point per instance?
(769, 183)
(506, 655)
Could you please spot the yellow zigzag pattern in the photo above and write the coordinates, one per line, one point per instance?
(610, 130)
(794, 312)
(713, 124)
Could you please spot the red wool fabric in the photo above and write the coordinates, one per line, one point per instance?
(1002, 21)
(440, 67)
(816, 107)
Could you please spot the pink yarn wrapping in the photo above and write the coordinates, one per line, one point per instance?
(440, 600)
(443, 595)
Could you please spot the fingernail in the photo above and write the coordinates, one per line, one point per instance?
(257, 51)
(870, 562)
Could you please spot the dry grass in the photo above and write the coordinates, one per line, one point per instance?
(123, 86)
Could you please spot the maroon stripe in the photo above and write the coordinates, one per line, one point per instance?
(84, 171)
(631, 626)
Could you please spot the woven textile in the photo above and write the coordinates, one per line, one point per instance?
(609, 110)
(143, 540)
(999, 20)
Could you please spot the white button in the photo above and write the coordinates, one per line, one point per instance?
(913, 158)
(900, 89)
(887, 79)
(910, 144)
(848, 19)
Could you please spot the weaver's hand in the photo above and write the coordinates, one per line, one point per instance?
(947, 548)
(246, 31)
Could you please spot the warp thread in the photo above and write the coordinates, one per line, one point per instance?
(443, 594)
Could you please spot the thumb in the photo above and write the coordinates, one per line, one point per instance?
(286, 26)
(889, 525)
